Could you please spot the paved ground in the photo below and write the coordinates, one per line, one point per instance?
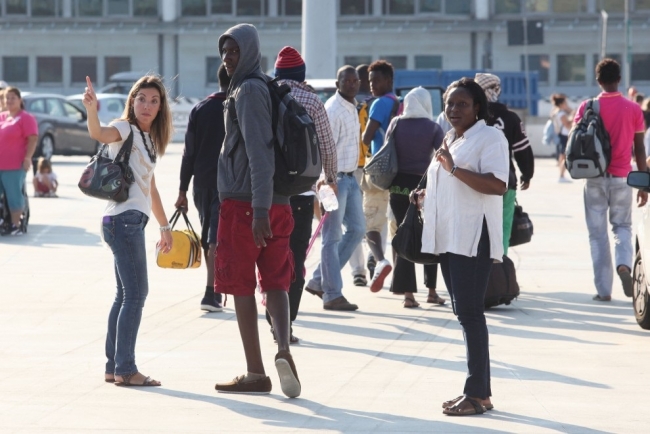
(560, 362)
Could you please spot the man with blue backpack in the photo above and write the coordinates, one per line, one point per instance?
(608, 194)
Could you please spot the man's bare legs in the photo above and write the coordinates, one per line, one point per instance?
(277, 303)
(246, 310)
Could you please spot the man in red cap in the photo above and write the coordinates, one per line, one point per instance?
(290, 69)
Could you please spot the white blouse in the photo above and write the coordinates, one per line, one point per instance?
(453, 211)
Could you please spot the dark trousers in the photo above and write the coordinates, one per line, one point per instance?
(303, 214)
(404, 279)
(466, 279)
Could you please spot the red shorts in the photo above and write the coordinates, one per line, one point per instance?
(237, 255)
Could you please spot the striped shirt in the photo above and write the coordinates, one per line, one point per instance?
(316, 111)
(346, 131)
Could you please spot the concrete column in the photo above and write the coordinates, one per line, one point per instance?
(169, 10)
(481, 9)
(273, 8)
(66, 8)
(319, 38)
(377, 10)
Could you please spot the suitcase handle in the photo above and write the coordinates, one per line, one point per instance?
(175, 217)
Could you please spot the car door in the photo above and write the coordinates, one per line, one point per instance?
(79, 129)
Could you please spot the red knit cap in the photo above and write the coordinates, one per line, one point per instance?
(288, 57)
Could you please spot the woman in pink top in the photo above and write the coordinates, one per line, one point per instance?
(18, 137)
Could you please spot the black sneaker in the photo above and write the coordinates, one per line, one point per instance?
(360, 280)
(371, 265)
(211, 304)
(12, 230)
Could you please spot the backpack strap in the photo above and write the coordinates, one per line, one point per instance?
(594, 104)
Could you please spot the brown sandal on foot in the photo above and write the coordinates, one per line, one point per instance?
(461, 409)
(451, 402)
(148, 382)
(410, 303)
(436, 299)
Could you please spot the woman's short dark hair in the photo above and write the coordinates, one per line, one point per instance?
(474, 89)
(557, 99)
(608, 71)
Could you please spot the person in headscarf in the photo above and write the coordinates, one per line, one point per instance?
(417, 137)
(510, 124)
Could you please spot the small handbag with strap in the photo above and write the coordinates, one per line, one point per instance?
(109, 179)
(522, 227)
(407, 242)
(186, 247)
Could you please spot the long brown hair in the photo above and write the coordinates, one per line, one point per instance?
(161, 127)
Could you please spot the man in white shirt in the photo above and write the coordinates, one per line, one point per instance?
(337, 247)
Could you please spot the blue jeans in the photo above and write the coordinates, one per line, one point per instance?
(338, 247)
(601, 194)
(124, 233)
(466, 279)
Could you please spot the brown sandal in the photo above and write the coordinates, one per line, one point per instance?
(436, 299)
(410, 303)
(451, 402)
(460, 409)
(148, 382)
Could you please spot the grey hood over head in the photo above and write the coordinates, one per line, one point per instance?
(250, 58)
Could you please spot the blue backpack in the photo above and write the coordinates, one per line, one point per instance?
(550, 137)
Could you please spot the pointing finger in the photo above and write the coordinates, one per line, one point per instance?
(89, 84)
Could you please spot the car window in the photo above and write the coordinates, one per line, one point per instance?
(72, 112)
(36, 106)
(114, 105)
(77, 103)
(53, 107)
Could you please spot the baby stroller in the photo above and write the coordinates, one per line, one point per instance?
(5, 216)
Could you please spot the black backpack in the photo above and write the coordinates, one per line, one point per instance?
(588, 150)
(297, 153)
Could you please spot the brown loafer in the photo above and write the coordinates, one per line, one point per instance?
(238, 385)
(288, 375)
(315, 292)
(339, 303)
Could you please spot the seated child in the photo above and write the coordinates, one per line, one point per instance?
(45, 182)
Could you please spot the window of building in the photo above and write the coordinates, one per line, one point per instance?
(538, 5)
(428, 6)
(118, 7)
(569, 6)
(540, 63)
(355, 7)
(115, 64)
(290, 7)
(398, 62)
(49, 69)
(252, 7)
(507, 6)
(89, 8)
(399, 7)
(458, 7)
(193, 8)
(571, 68)
(221, 7)
(15, 69)
(428, 62)
(611, 5)
(45, 8)
(640, 67)
(145, 8)
(16, 7)
(640, 5)
(81, 67)
(357, 60)
(211, 69)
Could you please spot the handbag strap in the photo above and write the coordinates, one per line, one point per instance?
(423, 182)
(174, 218)
(125, 151)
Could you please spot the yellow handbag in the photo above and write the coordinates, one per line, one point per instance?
(186, 247)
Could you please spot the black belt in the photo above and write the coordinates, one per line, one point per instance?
(346, 173)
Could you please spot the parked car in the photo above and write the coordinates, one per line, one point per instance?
(109, 105)
(62, 127)
(640, 274)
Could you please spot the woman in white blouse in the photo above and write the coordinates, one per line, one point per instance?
(463, 224)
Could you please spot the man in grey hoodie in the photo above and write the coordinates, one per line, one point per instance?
(254, 223)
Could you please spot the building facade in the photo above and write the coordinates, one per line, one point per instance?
(51, 45)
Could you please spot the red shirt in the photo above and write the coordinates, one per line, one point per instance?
(13, 138)
(622, 119)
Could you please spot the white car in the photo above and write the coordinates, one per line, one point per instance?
(640, 273)
(110, 105)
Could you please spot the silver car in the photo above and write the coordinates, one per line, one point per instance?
(110, 105)
(640, 273)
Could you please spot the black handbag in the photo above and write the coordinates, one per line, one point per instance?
(522, 227)
(106, 178)
(407, 242)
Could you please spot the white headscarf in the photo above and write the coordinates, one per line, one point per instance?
(417, 104)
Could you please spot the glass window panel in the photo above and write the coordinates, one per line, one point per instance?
(357, 60)
(44, 8)
(115, 64)
(223, 7)
(118, 7)
(292, 7)
(15, 69)
(145, 8)
(211, 69)
(49, 69)
(538, 5)
(640, 67)
(401, 7)
(17, 7)
(193, 7)
(249, 7)
(611, 5)
(398, 62)
(53, 107)
(571, 68)
(431, 6)
(81, 67)
(71, 111)
(540, 63)
(355, 7)
(569, 6)
(459, 7)
(642, 5)
(428, 62)
(36, 106)
(507, 6)
(89, 8)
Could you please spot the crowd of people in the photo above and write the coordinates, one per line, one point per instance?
(460, 170)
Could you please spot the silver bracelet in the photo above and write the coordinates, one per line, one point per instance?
(167, 228)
